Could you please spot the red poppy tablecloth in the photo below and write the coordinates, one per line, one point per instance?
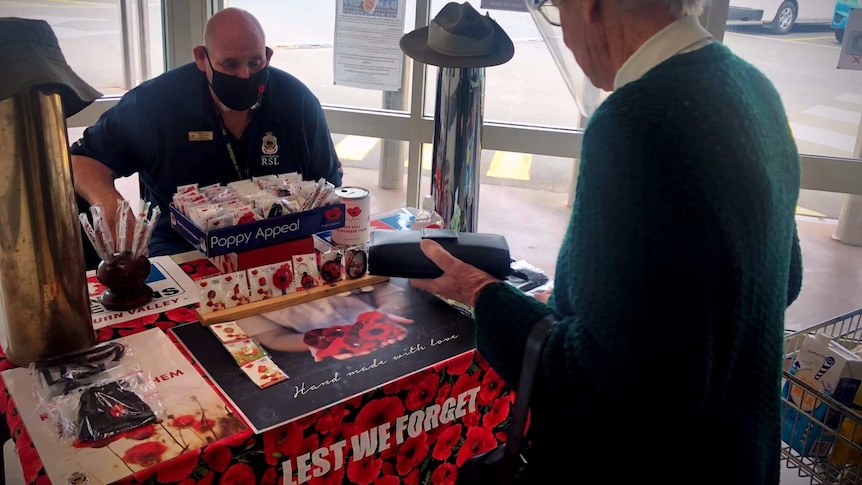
(428, 450)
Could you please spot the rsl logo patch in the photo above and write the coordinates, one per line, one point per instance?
(270, 144)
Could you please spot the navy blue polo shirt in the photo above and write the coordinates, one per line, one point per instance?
(167, 130)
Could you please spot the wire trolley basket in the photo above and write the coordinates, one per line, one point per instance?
(821, 429)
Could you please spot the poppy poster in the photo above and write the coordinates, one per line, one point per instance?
(333, 349)
(188, 416)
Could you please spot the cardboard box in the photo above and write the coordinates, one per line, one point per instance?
(259, 234)
(228, 263)
(833, 371)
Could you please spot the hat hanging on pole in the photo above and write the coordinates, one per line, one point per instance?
(459, 36)
(31, 57)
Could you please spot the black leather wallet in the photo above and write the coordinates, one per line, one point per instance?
(397, 253)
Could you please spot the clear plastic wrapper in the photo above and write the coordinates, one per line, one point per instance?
(95, 394)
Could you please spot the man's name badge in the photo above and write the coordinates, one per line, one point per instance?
(200, 136)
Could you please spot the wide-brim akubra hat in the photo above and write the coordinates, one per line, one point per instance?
(459, 36)
(31, 57)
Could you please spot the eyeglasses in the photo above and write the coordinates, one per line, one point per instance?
(547, 8)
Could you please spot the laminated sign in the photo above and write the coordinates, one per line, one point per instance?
(851, 48)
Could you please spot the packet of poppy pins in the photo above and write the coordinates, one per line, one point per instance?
(264, 372)
(228, 332)
(235, 289)
(305, 271)
(245, 351)
(261, 282)
(212, 294)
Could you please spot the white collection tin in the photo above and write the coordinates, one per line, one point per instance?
(357, 220)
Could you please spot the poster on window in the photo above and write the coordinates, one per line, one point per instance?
(851, 48)
(511, 5)
(366, 53)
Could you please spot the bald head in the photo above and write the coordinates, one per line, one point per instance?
(232, 26)
(234, 44)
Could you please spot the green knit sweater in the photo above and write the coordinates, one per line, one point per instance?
(671, 285)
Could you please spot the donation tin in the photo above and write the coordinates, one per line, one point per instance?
(357, 220)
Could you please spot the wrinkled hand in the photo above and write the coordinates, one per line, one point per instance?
(543, 295)
(460, 281)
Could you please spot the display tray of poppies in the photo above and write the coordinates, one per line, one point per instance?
(322, 290)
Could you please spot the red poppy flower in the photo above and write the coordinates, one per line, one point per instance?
(30, 462)
(445, 474)
(182, 314)
(269, 477)
(380, 331)
(471, 419)
(498, 413)
(188, 481)
(331, 271)
(478, 440)
(145, 454)
(358, 345)
(464, 383)
(238, 474)
(184, 421)
(280, 443)
(379, 411)
(412, 478)
(217, 456)
(283, 277)
(387, 480)
(203, 424)
(422, 392)
(362, 472)
(334, 477)
(331, 420)
(444, 393)
(309, 444)
(322, 338)
(246, 218)
(333, 214)
(492, 387)
(179, 467)
(459, 365)
(94, 286)
(446, 442)
(411, 453)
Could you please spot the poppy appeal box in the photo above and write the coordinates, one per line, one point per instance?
(258, 234)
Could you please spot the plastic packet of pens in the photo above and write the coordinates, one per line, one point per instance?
(217, 206)
(131, 233)
(95, 394)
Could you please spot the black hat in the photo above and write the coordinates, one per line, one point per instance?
(459, 36)
(32, 57)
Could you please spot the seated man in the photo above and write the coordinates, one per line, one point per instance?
(227, 116)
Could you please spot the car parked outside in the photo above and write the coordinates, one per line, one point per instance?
(841, 14)
(779, 16)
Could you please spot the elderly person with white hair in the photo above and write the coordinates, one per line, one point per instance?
(679, 262)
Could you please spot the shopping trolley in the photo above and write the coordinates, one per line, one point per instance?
(825, 446)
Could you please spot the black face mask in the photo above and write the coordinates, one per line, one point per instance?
(238, 94)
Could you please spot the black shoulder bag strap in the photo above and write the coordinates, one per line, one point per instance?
(532, 351)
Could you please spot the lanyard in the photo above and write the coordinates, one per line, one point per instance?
(242, 175)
